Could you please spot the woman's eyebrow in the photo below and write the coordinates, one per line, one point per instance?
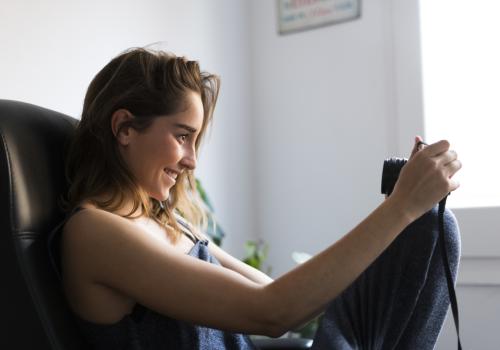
(187, 127)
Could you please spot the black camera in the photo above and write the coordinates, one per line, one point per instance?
(390, 173)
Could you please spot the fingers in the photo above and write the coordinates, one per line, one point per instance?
(447, 157)
(439, 150)
(436, 148)
(449, 162)
(453, 185)
(453, 167)
(443, 158)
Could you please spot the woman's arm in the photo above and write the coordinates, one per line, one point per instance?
(105, 249)
(305, 291)
(230, 262)
(424, 180)
(251, 273)
(236, 265)
(102, 248)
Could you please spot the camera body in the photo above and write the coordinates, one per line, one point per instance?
(390, 173)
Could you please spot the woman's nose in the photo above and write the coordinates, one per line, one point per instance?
(189, 160)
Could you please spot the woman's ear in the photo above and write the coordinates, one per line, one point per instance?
(120, 126)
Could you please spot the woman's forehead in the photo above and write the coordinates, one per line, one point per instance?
(194, 110)
(191, 116)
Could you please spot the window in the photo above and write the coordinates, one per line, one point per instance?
(460, 58)
(444, 70)
(441, 67)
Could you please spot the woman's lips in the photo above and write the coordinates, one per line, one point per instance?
(171, 174)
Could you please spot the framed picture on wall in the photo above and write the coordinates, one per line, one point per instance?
(298, 15)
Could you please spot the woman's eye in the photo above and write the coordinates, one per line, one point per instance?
(182, 138)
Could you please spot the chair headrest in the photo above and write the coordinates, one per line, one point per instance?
(32, 164)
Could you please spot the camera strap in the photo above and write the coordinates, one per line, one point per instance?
(447, 270)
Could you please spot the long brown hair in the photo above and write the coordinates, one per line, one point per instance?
(148, 84)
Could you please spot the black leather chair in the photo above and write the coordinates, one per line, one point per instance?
(31, 180)
(34, 311)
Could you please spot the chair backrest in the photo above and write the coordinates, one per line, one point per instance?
(34, 311)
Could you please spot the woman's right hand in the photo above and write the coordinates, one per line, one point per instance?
(426, 179)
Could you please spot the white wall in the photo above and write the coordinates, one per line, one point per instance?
(321, 125)
(52, 49)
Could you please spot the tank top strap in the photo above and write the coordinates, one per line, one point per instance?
(54, 242)
(190, 236)
(186, 228)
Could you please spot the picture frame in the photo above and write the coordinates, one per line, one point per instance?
(300, 15)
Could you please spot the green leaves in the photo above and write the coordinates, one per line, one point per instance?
(256, 253)
(214, 230)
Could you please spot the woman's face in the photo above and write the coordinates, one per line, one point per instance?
(158, 155)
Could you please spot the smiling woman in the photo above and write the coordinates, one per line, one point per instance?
(130, 94)
(164, 150)
(133, 192)
(139, 273)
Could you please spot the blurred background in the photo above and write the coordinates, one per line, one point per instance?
(305, 119)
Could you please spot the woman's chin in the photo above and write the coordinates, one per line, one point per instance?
(160, 196)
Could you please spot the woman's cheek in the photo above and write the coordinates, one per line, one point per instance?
(174, 151)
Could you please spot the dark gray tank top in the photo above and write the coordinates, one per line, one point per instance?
(146, 329)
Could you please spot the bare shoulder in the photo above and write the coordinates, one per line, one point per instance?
(88, 232)
(87, 222)
(90, 223)
(82, 250)
(107, 261)
(95, 240)
(106, 250)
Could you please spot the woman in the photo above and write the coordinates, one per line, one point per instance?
(133, 259)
